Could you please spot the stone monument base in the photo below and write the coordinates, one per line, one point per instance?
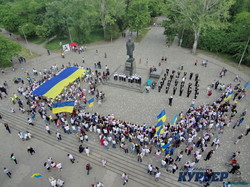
(130, 67)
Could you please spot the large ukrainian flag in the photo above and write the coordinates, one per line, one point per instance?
(54, 86)
(67, 106)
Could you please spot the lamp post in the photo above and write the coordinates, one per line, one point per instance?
(26, 39)
(243, 54)
(68, 29)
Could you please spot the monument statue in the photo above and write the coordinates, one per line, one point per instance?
(130, 48)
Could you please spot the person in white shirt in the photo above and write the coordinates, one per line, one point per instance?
(163, 163)
(87, 151)
(86, 137)
(59, 166)
(157, 176)
(58, 135)
(99, 184)
(198, 157)
(30, 121)
(71, 158)
(48, 130)
(104, 162)
(158, 153)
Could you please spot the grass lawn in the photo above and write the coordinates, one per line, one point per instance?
(96, 37)
(26, 53)
(37, 40)
(54, 44)
(141, 35)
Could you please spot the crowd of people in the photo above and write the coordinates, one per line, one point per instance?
(174, 81)
(195, 130)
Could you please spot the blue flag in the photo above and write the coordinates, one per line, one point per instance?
(246, 84)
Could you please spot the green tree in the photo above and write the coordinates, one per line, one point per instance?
(42, 31)
(29, 29)
(54, 20)
(110, 12)
(156, 7)
(200, 15)
(9, 18)
(82, 19)
(138, 15)
(8, 49)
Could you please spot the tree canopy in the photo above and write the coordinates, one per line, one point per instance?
(218, 26)
(200, 15)
(76, 19)
(8, 49)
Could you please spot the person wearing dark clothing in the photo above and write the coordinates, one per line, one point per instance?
(167, 88)
(188, 93)
(181, 90)
(209, 177)
(191, 75)
(7, 127)
(174, 90)
(248, 130)
(159, 88)
(170, 101)
(88, 168)
(31, 150)
(209, 155)
(81, 149)
(2, 89)
(234, 168)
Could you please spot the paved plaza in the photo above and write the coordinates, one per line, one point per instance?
(124, 104)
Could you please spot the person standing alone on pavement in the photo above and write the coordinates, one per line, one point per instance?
(7, 172)
(31, 150)
(170, 100)
(7, 127)
(12, 157)
(88, 167)
(125, 178)
(71, 158)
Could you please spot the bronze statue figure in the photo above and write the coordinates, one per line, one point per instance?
(130, 48)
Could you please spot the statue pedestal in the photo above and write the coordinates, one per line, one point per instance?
(130, 67)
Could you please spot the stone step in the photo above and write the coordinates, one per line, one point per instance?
(117, 160)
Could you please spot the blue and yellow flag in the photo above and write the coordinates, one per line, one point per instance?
(36, 175)
(175, 119)
(91, 102)
(54, 86)
(246, 84)
(67, 106)
(162, 116)
(159, 128)
(228, 96)
(165, 146)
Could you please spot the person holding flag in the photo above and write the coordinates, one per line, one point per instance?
(91, 102)
(175, 119)
(228, 96)
(162, 117)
